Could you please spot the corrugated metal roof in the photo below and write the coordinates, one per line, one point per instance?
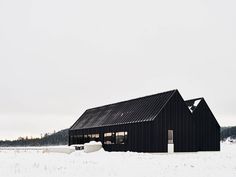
(131, 111)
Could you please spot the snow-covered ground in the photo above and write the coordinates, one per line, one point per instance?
(35, 162)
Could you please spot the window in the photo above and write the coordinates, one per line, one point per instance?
(95, 137)
(126, 137)
(121, 137)
(90, 137)
(109, 138)
(170, 137)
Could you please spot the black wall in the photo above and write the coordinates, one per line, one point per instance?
(192, 132)
(177, 117)
(208, 130)
(139, 136)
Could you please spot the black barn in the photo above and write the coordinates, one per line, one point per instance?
(149, 124)
(208, 129)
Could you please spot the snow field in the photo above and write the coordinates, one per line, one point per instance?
(37, 163)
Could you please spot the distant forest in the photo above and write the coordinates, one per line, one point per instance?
(61, 138)
(228, 132)
(56, 138)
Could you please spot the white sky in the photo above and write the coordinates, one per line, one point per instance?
(58, 58)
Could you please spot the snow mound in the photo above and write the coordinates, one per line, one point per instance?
(230, 140)
(27, 163)
(93, 143)
(92, 146)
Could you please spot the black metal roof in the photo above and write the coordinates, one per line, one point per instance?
(192, 104)
(131, 111)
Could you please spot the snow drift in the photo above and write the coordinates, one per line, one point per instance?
(28, 163)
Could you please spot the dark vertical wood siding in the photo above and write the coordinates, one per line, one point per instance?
(177, 117)
(151, 136)
(208, 130)
(192, 132)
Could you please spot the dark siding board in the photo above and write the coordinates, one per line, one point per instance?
(175, 116)
(208, 129)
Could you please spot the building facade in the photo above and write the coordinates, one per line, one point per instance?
(150, 124)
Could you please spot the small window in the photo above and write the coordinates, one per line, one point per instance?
(109, 138)
(126, 137)
(170, 137)
(95, 137)
(89, 137)
(121, 137)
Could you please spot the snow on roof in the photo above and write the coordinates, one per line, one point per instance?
(196, 102)
(192, 104)
(189, 107)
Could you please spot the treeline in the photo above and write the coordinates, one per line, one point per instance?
(56, 138)
(61, 138)
(228, 132)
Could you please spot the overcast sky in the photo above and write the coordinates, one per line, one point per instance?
(58, 58)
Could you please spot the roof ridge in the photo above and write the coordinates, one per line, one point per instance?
(132, 99)
(174, 91)
(193, 99)
(192, 105)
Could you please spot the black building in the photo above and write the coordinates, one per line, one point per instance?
(149, 124)
(208, 129)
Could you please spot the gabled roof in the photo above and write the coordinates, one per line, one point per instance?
(131, 111)
(193, 103)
